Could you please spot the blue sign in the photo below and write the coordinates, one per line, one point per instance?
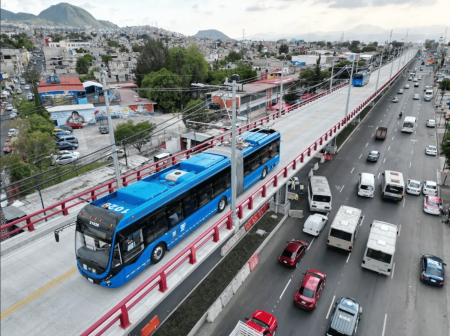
(52, 79)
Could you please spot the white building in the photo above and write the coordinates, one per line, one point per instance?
(69, 44)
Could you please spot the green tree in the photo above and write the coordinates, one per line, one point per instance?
(196, 110)
(17, 169)
(39, 123)
(134, 134)
(445, 85)
(283, 49)
(369, 48)
(124, 49)
(233, 56)
(106, 58)
(153, 57)
(82, 66)
(169, 100)
(89, 57)
(113, 44)
(137, 48)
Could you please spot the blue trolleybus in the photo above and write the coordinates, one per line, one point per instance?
(361, 78)
(120, 234)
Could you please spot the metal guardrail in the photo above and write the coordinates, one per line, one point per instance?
(159, 280)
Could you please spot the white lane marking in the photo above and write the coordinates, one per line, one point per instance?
(389, 147)
(352, 170)
(285, 288)
(342, 188)
(392, 138)
(360, 156)
(412, 152)
(329, 309)
(384, 324)
(367, 144)
(393, 269)
(384, 115)
(384, 160)
(395, 130)
(378, 176)
(381, 120)
(348, 257)
(409, 164)
(312, 241)
(404, 201)
(399, 230)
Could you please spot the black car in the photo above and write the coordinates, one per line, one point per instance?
(432, 270)
(103, 129)
(65, 145)
(345, 318)
(373, 156)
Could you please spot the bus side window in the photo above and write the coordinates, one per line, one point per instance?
(175, 213)
(204, 194)
(264, 154)
(190, 205)
(132, 245)
(155, 227)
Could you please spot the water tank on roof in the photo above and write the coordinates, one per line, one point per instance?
(137, 98)
(235, 77)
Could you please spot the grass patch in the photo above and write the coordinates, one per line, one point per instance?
(192, 309)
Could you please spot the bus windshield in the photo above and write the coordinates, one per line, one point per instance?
(378, 255)
(94, 250)
(358, 76)
(394, 189)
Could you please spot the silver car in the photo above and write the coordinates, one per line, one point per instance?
(406, 86)
(373, 156)
(400, 91)
(413, 187)
(67, 158)
(431, 123)
(416, 96)
(431, 150)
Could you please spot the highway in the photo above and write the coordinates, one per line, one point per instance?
(392, 305)
(41, 290)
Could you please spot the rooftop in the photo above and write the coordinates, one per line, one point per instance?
(127, 97)
(66, 84)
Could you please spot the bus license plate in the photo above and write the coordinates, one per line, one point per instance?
(90, 280)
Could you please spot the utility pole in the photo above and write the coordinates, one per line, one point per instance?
(233, 161)
(281, 87)
(349, 89)
(331, 78)
(379, 70)
(111, 132)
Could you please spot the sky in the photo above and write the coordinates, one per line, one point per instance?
(256, 16)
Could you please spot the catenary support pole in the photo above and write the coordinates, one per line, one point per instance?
(379, 70)
(349, 89)
(111, 132)
(233, 162)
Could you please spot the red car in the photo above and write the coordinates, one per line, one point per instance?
(310, 289)
(74, 125)
(7, 149)
(263, 322)
(293, 252)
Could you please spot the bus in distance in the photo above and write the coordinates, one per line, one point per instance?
(120, 234)
(380, 249)
(361, 78)
(409, 124)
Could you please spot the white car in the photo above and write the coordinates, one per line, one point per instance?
(67, 157)
(9, 107)
(431, 150)
(19, 90)
(30, 96)
(400, 91)
(406, 86)
(120, 153)
(13, 115)
(419, 77)
(429, 188)
(416, 84)
(22, 82)
(27, 87)
(410, 78)
(415, 79)
(395, 99)
(413, 187)
(315, 224)
(431, 123)
(12, 132)
(416, 96)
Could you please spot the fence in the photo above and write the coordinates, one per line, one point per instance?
(28, 222)
(121, 311)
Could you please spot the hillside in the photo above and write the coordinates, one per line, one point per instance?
(212, 34)
(62, 14)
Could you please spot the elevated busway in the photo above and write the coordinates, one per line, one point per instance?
(42, 292)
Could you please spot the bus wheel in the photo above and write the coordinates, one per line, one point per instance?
(222, 204)
(264, 173)
(158, 253)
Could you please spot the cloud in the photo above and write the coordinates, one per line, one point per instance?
(195, 6)
(87, 5)
(256, 8)
(373, 3)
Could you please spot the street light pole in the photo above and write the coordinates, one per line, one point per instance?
(233, 162)
(349, 89)
(281, 87)
(111, 132)
(392, 66)
(379, 70)
(331, 78)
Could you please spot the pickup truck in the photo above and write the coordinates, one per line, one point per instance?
(381, 133)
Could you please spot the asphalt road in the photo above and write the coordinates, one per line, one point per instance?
(393, 305)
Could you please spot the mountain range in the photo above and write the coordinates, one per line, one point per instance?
(364, 33)
(62, 14)
(212, 34)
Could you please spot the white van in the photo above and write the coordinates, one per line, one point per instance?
(319, 194)
(345, 227)
(428, 95)
(366, 185)
(314, 224)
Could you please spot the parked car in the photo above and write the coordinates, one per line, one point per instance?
(431, 150)
(264, 323)
(30, 97)
(13, 115)
(292, 253)
(432, 270)
(58, 132)
(120, 153)
(7, 148)
(66, 158)
(429, 188)
(12, 132)
(74, 125)
(345, 318)
(310, 289)
(413, 187)
(431, 123)
(431, 205)
(103, 129)
(65, 128)
(373, 156)
(9, 107)
(66, 145)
